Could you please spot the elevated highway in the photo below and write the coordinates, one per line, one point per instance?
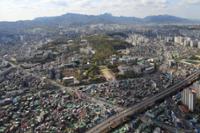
(125, 115)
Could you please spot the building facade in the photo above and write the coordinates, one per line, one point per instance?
(188, 98)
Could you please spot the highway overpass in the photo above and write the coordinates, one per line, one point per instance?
(125, 115)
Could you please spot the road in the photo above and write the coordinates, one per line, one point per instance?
(70, 90)
(123, 116)
(7, 71)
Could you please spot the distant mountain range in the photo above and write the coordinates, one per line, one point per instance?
(166, 19)
(108, 18)
(80, 19)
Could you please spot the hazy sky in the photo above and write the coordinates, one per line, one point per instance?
(11, 10)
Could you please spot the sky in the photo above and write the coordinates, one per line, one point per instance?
(13, 10)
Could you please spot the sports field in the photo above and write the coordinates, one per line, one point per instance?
(107, 73)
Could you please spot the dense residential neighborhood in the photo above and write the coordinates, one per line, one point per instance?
(75, 78)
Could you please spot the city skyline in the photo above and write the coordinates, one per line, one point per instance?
(13, 10)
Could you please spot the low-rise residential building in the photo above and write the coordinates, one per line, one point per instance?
(68, 80)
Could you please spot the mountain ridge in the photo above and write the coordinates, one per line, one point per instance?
(100, 15)
(108, 15)
(82, 19)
